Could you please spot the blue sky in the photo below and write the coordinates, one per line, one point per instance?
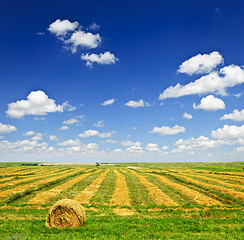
(121, 81)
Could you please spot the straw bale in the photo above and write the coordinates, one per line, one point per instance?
(66, 213)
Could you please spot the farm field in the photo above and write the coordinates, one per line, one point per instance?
(126, 201)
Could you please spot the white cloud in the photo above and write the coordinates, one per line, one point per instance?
(212, 83)
(20, 146)
(117, 150)
(110, 141)
(106, 134)
(227, 132)
(83, 39)
(102, 58)
(70, 142)
(37, 137)
(89, 133)
(29, 133)
(93, 27)
(136, 104)
(61, 27)
(4, 128)
(165, 147)
(37, 103)
(135, 148)
(128, 143)
(108, 102)
(238, 94)
(236, 115)
(92, 133)
(68, 107)
(210, 103)
(201, 63)
(200, 143)
(39, 118)
(90, 147)
(239, 149)
(152, 147)
(64, 128)
(99, 124)
(187, 115)
(71, 121)
(165, 130)
(53, 138)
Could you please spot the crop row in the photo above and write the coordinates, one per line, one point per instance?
(121, 187)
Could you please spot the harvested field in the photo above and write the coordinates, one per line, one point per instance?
(45, 196)
(85, 196)
(157, 195)
(122, 187)
(114, 197)
(231, 192)
(31, 185)
(196, 196)
(120, 196)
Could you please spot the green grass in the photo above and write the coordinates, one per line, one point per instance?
(211, 224)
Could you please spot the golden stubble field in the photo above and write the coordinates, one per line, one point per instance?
(123, 189)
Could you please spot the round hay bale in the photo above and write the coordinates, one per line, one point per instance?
(66, 213)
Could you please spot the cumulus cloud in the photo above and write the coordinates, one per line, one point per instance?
(187, 115)
(133, 147)
(93, 27)
(227, 132)
(70, 142)
(53, 138)
(165, 130)
(88, 148)
(152, 147)
(110, 141)
(64, 128)
(136, 104)
(71, 121)
(75, 120)
(29, 133)
(210, 103)
(37, 103)
(236, 115)
(99, 124)
(72, 36)
(83, 39)
(106, 134)
(128, 143)
(214, 82)
(92, 133)
(21, 146)
(37, 137)
(102, 58)
(108, 102)
(68, 107)
(165, 147)
(200, 143)
(61, 27)
(201, 63)
(89, 133)
(4, 128)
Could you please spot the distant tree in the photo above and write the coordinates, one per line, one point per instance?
(97, 164)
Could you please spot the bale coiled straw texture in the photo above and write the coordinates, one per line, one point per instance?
(66, 213)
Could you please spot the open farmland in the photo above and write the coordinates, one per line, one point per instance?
(126, 201)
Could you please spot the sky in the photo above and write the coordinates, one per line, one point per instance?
(122, 81)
